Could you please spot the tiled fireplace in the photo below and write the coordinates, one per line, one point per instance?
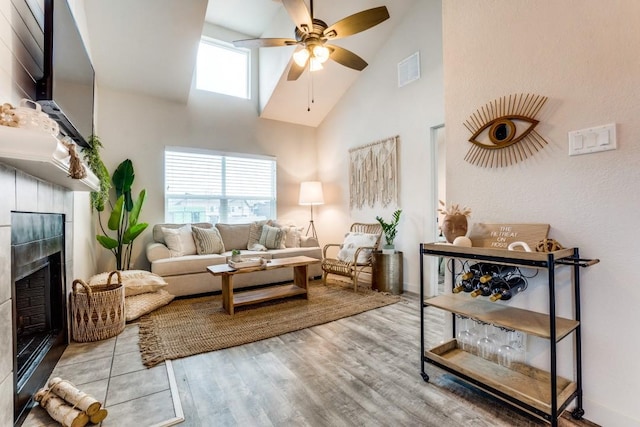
(43, 276)
(39, 300)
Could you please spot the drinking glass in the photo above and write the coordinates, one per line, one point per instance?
(506, 355)
(517, 341)
(486, 346)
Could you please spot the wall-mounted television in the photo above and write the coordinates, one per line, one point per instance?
(66, 90)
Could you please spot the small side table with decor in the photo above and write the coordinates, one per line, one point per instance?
(387, 272)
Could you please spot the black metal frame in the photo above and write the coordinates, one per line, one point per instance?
(550, 264)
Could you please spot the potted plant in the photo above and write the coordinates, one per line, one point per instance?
(389, 229)
(124, 217)
(94, 161)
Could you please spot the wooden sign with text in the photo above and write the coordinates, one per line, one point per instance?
(499, 236)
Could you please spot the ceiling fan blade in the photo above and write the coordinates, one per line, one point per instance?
(295, 71)
(273, 42)
(299, 14)
(357, 22)
(346, 57)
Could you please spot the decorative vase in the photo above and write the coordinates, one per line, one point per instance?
(454, 226)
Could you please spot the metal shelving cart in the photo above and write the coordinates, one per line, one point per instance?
(538, 392)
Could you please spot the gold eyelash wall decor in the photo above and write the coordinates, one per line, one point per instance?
(508, 123)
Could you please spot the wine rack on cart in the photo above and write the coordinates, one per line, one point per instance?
(538, 392)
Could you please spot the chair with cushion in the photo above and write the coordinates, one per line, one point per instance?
(355, 253)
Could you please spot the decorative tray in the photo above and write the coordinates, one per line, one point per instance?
(248, 262)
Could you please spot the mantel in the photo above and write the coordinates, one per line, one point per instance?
(42, 155)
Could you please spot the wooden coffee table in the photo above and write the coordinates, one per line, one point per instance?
(230, 300)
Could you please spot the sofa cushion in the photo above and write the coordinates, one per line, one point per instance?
(207, 240)
(158, 234)
(191, 264)
(186, 264)
(315, 252)
(180, 241)
(352, 242)
(271, 237)
(234, 236)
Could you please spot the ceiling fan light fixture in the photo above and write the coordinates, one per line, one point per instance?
(301, 56)
(321, 53)
(315, 64)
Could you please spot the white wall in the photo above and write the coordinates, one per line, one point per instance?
(374, 109)
(138, 127)
(582, 54)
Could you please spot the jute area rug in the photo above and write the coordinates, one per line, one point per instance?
(198, 325)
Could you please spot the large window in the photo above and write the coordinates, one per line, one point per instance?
(207, 186)
(223, 68)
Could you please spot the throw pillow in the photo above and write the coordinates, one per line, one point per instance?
(352, 242)
(135, 282)
(255, 232)
(179, 240)
(292, 233)
(207, 240)
(271, 237)
(138, 305)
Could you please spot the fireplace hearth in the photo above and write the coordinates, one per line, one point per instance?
(39, 302)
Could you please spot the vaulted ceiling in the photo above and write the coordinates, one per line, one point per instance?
(150, 47)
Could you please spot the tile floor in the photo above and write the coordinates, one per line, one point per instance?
(113, 373)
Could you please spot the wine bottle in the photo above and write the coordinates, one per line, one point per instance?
(512, 286)
(466, 286)
(483, 289)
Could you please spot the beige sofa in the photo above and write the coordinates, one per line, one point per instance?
(187, 274)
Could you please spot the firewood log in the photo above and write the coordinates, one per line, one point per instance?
(76, 398)
(59, 410)
(98, 416)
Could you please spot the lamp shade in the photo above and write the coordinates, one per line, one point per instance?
(311, 193)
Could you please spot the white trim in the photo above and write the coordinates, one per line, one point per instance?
(175, 396)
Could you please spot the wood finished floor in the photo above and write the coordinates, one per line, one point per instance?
(359, 371)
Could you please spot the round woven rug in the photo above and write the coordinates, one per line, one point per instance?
(198, 325)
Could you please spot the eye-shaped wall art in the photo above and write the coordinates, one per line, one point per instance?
(503, 131)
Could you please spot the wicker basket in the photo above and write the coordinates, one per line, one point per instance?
(97, 311)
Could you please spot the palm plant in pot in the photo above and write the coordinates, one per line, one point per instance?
(389, 229)
(123, 218)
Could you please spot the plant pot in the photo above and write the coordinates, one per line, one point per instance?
(388, 249)
(387, 272)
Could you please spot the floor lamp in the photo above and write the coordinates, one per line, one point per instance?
(311, 194)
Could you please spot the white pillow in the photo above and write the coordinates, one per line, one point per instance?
(135, 282)
(352, 242)
(179, 240)
(292, 236)
(292, 233)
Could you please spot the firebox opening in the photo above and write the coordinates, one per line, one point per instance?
(39, 302)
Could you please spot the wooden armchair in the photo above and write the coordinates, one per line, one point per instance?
(351, 267)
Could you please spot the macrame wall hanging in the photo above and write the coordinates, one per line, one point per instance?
(502, 132)
(373, 174)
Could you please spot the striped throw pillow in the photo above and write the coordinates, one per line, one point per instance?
(207, 240)
(271, 237)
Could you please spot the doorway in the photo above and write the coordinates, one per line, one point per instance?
(438, 168)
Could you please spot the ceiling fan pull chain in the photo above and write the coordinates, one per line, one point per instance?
(310, 96)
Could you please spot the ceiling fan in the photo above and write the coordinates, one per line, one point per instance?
(312, 35)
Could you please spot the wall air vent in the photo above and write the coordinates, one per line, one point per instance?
(409, 69)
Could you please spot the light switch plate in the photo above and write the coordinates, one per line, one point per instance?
(592, 140)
